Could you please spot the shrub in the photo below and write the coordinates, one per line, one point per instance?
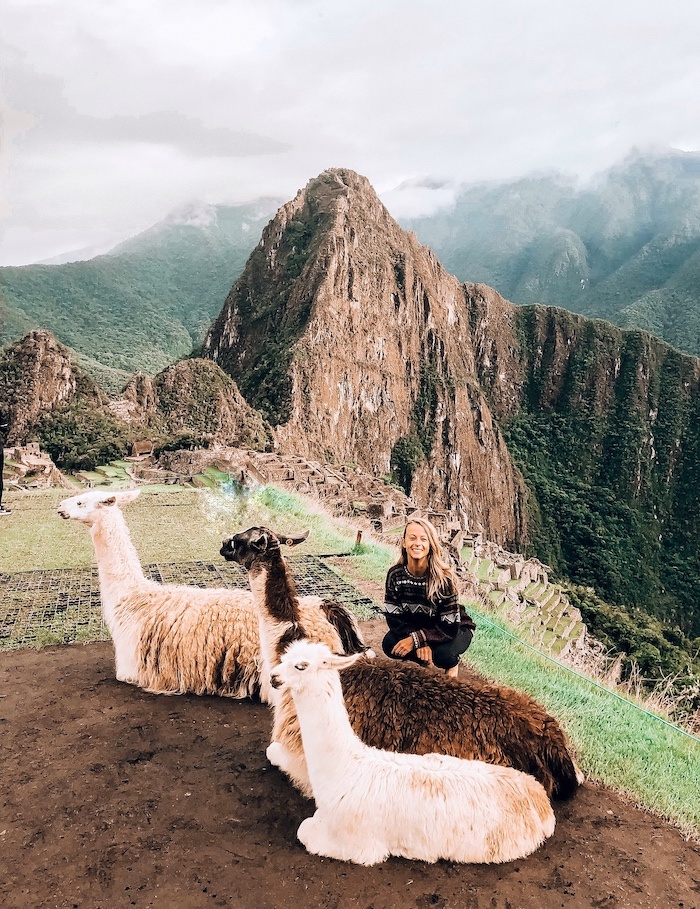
(79, 437)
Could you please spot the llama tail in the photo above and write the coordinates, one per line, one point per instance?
(566, 776)
(346, 625)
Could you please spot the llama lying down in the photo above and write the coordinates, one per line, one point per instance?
(173, 638)
(371, 804)
(399, 706)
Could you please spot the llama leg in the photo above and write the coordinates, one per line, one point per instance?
(313, 834)
(310, 835)
(276, 754)
(124, 668)
(318, 837)
(363, 850)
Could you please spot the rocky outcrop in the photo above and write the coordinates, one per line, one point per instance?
(37, 376)
(192, 398)
(138, 402)
(357, 345)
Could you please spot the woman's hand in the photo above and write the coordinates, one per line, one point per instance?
(425, 655)
(403, 647)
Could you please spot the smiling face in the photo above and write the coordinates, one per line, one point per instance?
(416, 543)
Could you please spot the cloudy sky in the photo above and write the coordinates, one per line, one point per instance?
(115, 112)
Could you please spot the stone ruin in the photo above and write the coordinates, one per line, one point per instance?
(27, 466)
(140, 450)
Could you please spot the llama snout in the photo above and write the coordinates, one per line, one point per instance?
(276, 681)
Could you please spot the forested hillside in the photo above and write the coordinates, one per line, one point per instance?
(625, 248)
(148, 303)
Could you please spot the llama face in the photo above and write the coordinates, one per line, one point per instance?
(86, 506)
(247, 547)
(304, 661)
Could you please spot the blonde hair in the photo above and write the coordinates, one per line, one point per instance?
(439, 569)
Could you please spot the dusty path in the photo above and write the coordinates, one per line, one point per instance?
(114, 798)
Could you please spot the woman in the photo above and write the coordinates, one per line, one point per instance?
(426, 622)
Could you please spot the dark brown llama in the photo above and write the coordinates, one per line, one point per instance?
(400, 706)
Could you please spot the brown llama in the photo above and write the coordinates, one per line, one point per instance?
(400, 707)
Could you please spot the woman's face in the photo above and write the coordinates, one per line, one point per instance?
(416, 542)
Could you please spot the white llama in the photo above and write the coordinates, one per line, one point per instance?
(173, 638)
(371, 804)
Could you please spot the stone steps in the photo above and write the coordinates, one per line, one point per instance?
(530, 600)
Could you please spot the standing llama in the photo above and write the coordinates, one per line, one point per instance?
(174, 638)
(400, 706)
(371, 804)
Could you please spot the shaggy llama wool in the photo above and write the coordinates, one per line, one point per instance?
(174, 638)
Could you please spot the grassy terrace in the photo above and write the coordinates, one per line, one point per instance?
(619, 744)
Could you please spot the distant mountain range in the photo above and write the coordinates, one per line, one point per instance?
(146, 304)
(625, 248)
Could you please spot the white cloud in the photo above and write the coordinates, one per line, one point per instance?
(140, 105)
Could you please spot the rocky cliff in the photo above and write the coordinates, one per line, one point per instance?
(37, 376)
(605, 426)
(356, 345)
(192, 398)
(575, 440)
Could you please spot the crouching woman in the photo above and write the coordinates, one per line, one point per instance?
(427, 624)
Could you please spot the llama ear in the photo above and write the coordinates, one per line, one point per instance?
(292, 540)
(342, 660)
(258, 541)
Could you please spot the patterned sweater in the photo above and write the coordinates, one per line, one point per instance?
(408, 610)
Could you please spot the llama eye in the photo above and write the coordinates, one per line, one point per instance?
(301, 666)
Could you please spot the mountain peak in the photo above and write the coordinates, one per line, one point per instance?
(356, 345)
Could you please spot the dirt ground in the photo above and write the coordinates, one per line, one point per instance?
(113, 798)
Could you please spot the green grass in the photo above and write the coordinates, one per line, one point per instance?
(167, 524)
(619, 744)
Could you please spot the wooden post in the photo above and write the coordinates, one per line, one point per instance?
(358, 538)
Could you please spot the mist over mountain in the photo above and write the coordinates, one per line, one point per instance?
(625, 248)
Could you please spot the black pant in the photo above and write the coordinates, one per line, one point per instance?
(445, 656)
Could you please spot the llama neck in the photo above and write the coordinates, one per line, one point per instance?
(278, 606)
(327, 736)
(118, 564)
(274, 589)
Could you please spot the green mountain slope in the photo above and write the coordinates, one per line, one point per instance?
(606, 432)
(146, 304)
(626, 248)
